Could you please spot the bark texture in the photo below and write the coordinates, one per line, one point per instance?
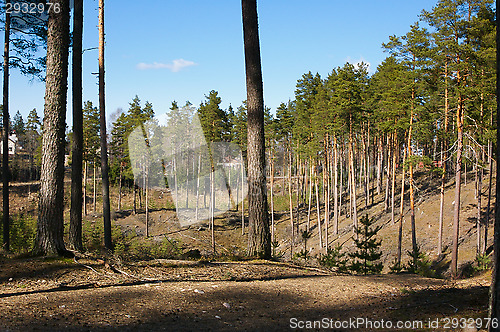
(75, 225)
(259, 238)
(50, 228)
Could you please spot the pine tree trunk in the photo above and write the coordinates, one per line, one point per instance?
(259, 238)
(50, 231)
(292, 224)
(5, 141)
(335, 189)
(320, 235)
(389, 165)
(393, 174)
(479, 177)
(106, 207)
(146, 194)
(85, 189)
(458, 179)
(379, 165)
(310, 195)
(410, 175)
(272, 196)
(120, 188)
(198, 188)
(444, 157)
(75, 226)
(494, 305)
(95, 187)
(490, 185)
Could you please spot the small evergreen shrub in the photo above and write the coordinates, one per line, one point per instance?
(365, 258)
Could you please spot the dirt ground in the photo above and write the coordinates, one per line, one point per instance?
(90, 294)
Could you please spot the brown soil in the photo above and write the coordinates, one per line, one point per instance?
(91, 294)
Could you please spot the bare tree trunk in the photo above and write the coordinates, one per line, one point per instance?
(85, 189)
(389, 165)
(120, 188)
(75, 226)
(393, 170)
(494, 303)
(320, 235)
(310, 196)
(5, 142)
(379, 164)
(106, 207)
(95, 187)
(272, 196)
(50, 231)
(146, 189)
(444, 157)
(490, 185)
(198, 187)
(479, 177)
(259, 237)
(335, 188)
(292, 224)
(212, 208)
(458, 180)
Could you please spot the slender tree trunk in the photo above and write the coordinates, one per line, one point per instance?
(458, 180)
(389, 163)
(135, 199)
(379, 165)
(479, 177)
(146, 194)
(292, 224)
(272, 196)
(494, 303)
(242, 197)
(5, 142)
(212, 208)
(320, 235)
(335, 188)
(310, 196)
(353, 183)
(94, 178)
(259, 238)
(410, 175)
(50, 231)
(198, 188)
(120, 188)
(490, 185)
(444, 157)
(75, 226)
(393, 181)
(106, 207)
(85, 189)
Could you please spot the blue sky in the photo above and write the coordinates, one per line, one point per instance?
(165, 50)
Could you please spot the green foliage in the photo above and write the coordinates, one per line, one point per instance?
(420, 263)
(364, 260)
(334, 259)
(22, 233)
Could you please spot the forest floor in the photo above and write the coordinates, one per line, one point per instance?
(131, 290)
(89, 293)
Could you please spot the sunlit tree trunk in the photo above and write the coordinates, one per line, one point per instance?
(259, 237)
(50, 230)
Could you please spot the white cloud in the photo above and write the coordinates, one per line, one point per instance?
(175, 66)
(357, 62)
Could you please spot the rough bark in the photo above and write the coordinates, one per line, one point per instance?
(259, 239)
(5, 141)
(50, 230)
(75, 225)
